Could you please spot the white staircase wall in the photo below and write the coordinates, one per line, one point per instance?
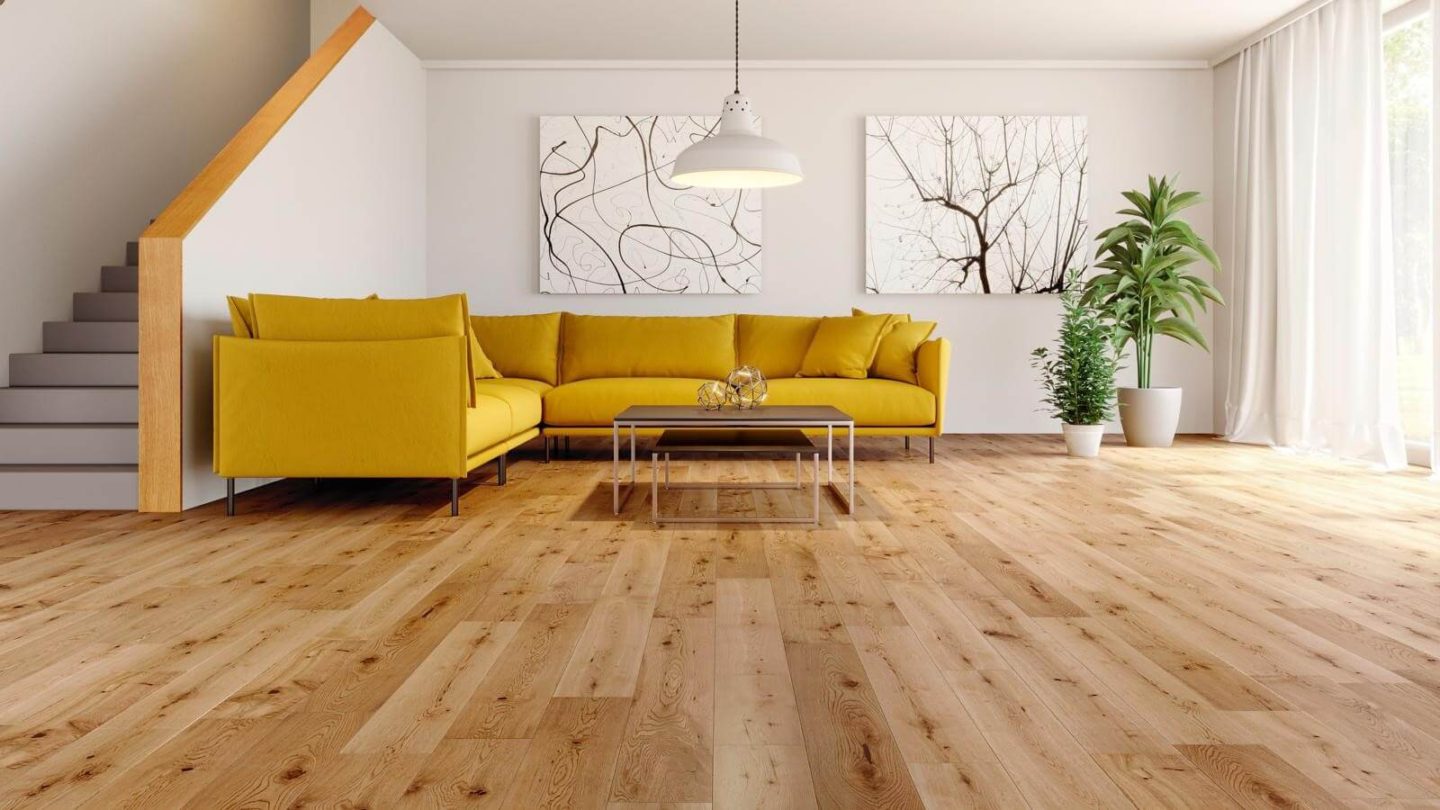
(333, 206)
(106, 111)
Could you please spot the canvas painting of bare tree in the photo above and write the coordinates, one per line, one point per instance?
(974, 204)
(612, 223)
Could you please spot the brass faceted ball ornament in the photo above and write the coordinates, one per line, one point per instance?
(748, 388)
(712, 395)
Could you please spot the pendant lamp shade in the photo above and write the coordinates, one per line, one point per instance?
(737, 156)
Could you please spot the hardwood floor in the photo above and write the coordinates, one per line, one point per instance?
(1209, 626)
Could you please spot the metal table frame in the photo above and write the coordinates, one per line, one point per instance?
(732, 422)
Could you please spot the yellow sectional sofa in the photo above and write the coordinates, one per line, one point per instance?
(588, 368)
(337, 388)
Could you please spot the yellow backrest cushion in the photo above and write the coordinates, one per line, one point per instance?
(895, 359)
(293, 317)
(624, 346)
(481, 366)
(240, 316)
(524, 346)
(775, 344)
(844, 347)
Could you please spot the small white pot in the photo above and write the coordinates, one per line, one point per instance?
(1082, 441)
(1150, 416)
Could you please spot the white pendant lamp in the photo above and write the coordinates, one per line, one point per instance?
(737, 156)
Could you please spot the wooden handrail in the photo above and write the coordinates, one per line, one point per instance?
(162, 271)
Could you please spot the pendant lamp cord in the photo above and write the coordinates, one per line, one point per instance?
(737, 46)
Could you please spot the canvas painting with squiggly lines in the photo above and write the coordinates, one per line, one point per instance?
(612, 223)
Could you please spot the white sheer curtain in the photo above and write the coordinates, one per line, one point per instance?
(1312, 363)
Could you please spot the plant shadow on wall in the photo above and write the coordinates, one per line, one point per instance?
(978, 204)
(613, 223)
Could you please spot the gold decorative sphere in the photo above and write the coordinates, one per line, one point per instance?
(748, 388)
(712, 395)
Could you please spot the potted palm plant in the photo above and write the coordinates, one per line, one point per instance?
(1079, 378)
(1148, 292)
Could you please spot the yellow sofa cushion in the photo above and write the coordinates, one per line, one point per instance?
(593, 402)
(871, 403)
(525, 346)
(844, 347)
(624, 346)
(486, 424)
(523, 401)
(293, 317)
(240, 316)
(895, 360)
(775, 344)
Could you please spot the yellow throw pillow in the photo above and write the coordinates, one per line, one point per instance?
(524, 346)
(844, 347)
(482, 368)
(896, 318)
(895, 359)
(240, 316)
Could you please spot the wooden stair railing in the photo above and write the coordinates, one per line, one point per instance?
(162, 271)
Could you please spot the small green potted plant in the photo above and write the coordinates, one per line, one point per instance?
(1079, 376)
(1148, 292)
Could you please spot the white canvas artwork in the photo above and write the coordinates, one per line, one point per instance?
(974, 204)
(612, 223)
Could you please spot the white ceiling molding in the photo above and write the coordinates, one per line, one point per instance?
(797, 64)
(1269, 30)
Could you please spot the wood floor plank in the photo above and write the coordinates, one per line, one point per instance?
(852, 754)
(570, 761)
(1256, 778)
(667, 751)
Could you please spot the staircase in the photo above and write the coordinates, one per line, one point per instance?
(68, 434)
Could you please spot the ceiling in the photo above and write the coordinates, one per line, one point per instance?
(822, 29)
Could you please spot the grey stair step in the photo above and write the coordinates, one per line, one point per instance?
(92, 336)
(107, 306)
(119, 279)
(132, 254)
(69, 486)
(69, 405)
(69, 444)
(74, 370)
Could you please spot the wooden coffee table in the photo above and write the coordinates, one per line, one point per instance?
(663, 417)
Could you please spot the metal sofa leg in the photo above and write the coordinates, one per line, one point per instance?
(454, 497)
(230, 497)
(932, 449)
(567, 446)
(500, 470)
(907, 444)
(547, 441)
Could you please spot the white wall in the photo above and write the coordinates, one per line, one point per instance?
(483, 197)
(106, 111)
(333, 206)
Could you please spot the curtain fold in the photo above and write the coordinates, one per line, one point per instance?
(1312, 363)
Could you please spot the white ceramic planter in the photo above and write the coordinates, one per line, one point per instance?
(1150, 416)
(1083, 441)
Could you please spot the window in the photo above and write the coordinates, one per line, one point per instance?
(1408, 91)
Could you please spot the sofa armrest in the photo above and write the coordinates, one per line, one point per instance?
(337, 409)
(932, 366)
